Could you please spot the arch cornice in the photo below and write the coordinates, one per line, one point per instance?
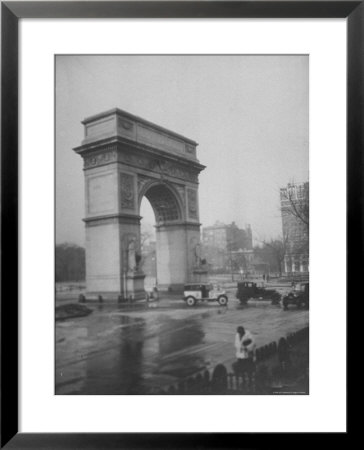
(117, 149)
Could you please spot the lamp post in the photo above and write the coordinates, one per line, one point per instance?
(230, 250)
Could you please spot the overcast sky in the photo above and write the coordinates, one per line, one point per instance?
(249, 115)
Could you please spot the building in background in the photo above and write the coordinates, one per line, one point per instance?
(225, 245)
(294, 199)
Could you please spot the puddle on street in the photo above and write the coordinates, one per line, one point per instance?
(123, 351)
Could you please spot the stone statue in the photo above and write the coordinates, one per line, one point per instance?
(132, 265)
(138, 260)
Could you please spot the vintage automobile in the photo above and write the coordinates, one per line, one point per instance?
(298, 296)
(249, 289)
(195, 292)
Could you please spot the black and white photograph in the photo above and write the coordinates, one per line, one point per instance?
(182, 224)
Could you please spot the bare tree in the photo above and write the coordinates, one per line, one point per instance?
(278, 249)
(145, 237)
(69, 262)
(296, 202)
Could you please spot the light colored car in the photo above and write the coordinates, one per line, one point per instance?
(195, 292)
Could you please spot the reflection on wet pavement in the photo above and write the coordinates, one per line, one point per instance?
(132, 351)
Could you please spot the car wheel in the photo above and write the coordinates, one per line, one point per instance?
(191, 301)
(222, 300)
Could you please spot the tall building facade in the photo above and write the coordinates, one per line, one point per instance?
(221, 241)
(294, 199)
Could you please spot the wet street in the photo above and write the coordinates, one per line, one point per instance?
(135, 350)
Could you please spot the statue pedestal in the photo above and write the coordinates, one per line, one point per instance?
(135, 285)
(200, 275)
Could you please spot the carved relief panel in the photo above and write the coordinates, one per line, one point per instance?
(100, 159)
(192, 204)
(127, 191)
(142, 181)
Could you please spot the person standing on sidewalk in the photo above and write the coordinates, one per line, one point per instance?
(245, 351)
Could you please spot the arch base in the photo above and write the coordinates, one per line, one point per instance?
(200, 276)
(135, 286)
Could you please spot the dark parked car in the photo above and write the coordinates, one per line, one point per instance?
(299, 296)
(249, 289)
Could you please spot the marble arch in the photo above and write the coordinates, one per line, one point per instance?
(126, 158)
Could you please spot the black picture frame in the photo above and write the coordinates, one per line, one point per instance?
(11, 12)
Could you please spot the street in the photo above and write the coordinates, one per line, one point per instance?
(120, 349)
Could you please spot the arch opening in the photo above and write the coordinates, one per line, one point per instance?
(169, 252)
(148, 244)
(164, 203)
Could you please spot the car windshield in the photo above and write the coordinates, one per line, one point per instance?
(192, 288)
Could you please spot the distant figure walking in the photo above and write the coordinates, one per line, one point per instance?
(245, 351)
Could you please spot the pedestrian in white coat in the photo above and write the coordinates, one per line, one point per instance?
(245, 351)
